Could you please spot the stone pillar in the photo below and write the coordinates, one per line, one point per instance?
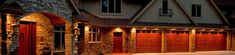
(15, 44)
(133, 41)
(233, 40)
(164, 41)
(86, 48)
(228, 41)
(192, 40)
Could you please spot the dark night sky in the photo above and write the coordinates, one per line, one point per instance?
(225, 2)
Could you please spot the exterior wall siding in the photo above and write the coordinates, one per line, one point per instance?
(94, 7)
(209, 13)
(152, 14)
(106, 44)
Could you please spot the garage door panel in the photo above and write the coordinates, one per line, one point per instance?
(177, 42)
(148, 42)
(210, 41)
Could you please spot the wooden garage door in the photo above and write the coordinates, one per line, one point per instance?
(177, 41)
(148, 41)
(210, 41)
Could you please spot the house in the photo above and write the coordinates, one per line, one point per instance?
(89, 27)
(31, 26)
(150, 26)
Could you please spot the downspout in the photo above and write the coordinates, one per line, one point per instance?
(75, 6)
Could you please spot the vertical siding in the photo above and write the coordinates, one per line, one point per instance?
(152, 14)
(209, 13)
(94, 7)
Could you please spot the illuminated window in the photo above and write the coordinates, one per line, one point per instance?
(94, 35)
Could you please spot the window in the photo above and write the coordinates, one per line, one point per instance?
(94, 35)
(59, 34)
(196, 10)
(111, 6)
(165, 11)
(165, 6)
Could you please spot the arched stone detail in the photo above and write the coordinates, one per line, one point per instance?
(44, 32)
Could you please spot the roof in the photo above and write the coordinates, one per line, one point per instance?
(225, 2)
(96, 21)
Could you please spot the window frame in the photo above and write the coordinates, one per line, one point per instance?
(97, 35)
(109, 13)
(197, 13)
(62, 38)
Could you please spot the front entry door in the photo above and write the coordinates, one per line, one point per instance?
(117, 42)
(27, 39)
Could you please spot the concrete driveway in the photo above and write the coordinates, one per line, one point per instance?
(183, 53)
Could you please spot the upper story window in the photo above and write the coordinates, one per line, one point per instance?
(165, 11)
(111, 6)
(59, 34)
(196, 10)
(165, 6)
(94, 36)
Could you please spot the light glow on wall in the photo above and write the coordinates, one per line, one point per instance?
(221, 30)
(212, 30)
(173, 29)
(133, 29)
(118, 29)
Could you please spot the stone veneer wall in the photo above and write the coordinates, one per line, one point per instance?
(44, 30)
(44, 33)
(106, 45)
(59, 7)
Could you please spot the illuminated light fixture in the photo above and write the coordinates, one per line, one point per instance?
(145, 28)
(221, 30)
(173, 29)
(133, 29)
(202, 30)
(118, 29)
(79, 22)
(156, 29)
(212, 30)
(186, 29)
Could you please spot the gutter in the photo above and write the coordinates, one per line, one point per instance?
(141, 12)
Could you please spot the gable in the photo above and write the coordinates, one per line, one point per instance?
(209, 14)
(152, 14)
